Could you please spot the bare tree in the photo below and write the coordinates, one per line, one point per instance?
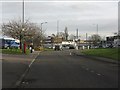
(26, 31)
(95, 39)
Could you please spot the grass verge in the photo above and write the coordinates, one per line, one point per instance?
(13, 51)
(48, 49)
(111, 53)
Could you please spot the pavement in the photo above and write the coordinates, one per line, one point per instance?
(13, 66)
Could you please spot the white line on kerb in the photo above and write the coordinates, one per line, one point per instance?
(31, 63)
(23, 75)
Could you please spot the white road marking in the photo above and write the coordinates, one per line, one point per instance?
(31, 62)
(87, 68)
(98, 74)
(83, 67)
(23, 75)
(91, 71)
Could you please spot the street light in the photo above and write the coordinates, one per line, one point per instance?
(22, 25)
(21, 41)
(41, 29)
(42, 24)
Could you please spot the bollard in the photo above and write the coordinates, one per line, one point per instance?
(30, 49)
(83, 47)
(88, 47)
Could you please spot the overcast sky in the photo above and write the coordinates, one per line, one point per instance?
(82, 15)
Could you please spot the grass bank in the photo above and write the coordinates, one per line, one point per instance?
(111, 53)
(13, 51)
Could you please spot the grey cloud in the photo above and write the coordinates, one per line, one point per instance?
(73, 15)
(62, 0)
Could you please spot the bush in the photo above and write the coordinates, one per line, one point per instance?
(39, 49)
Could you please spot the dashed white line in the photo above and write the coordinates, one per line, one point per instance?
(83, 67)
(91, 71)
(98, 74)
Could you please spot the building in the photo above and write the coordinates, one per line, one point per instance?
(113, 41)
(48, 42)
(58, 40)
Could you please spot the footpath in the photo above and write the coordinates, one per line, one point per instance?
(13, 67)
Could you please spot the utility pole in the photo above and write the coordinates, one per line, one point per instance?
(23, 13)
(77, 33)
(24, 43)
(41, 30)
(57, 30)
(21, 34)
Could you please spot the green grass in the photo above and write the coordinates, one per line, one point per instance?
(13, 51)
(108, 52)
(48, 49)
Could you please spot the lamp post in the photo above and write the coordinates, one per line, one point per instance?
(57, 31)
(22, 29)
(42, 24)
(41, 30)
(23, 45)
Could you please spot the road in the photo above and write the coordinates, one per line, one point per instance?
(13, 67)
(59, 69)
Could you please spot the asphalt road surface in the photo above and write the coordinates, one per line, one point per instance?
(62, 69)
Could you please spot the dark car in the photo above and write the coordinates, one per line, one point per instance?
(57, 47)
(71, 47)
